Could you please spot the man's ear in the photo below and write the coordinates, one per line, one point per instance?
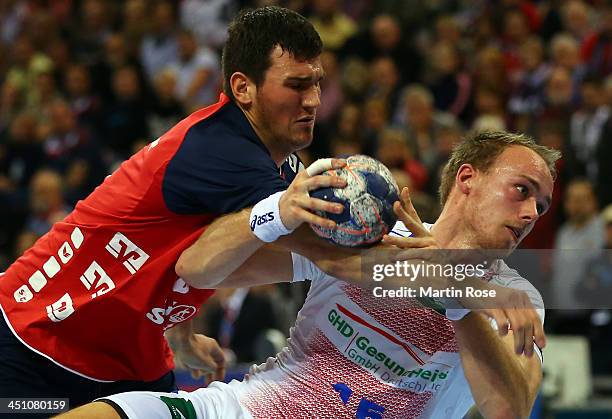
(243, 88)
(465, 178)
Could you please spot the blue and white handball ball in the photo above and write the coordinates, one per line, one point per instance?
(367, 199)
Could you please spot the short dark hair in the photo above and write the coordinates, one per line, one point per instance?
(254, 33)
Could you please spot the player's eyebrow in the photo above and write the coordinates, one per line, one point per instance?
(305, 78)
(536, 186)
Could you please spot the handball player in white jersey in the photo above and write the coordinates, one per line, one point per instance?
(352, 355)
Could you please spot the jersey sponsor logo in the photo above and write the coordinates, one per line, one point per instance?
(96, 279)
(173, 314)
(179, 408)
(122, 248)
(60, 309)
(261, 219)
(377, 350)
(51, 267)
(180, 286)
(23, 294)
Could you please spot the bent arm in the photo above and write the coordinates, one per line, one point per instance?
(225, 245)
(228, 254)
(503, 384)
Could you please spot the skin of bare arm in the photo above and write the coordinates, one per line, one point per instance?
(503, 384)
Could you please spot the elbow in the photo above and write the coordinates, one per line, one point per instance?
(193, 275)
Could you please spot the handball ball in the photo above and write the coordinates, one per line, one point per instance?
(367, 199)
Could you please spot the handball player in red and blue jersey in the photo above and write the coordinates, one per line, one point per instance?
(84, 310)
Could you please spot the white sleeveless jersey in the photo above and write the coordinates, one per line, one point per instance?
(349, 355)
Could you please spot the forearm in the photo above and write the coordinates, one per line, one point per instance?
(179, 334)
(503, 384)
(219, 251)
(339, 262)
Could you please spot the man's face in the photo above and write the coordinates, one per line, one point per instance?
(286, 102)
(505, 202)
(580, 202)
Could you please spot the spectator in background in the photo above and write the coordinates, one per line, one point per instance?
(450, 85)
(208, 19)
(334, 26)
(376, 118)
(557, 100)
(116, 56)
(490, 71)
(393, 151)
(136, 23)
(527, 94)
(69, 145)
(576, 240)
(91, 31)
(240, 319)
(603, 153)
(167, 109)
(384, 81)
(11, 101)
(47, 204)
(86, 105)
(20, 153)
(384, 37)
(159, 46)
(349, 134)
(587, 127)
(12, 17)
(198, 73)
(40, 27)
(576, 17)
(58, 51)
(44, 93)
(564, 51)
(597, 47)
(490, 113)
(423, 123)
(355, 79)
(27, 64)
(596, 292)
(595, 287)
(126, 116)
(515, 33)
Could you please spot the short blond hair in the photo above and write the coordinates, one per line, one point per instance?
(482, 149)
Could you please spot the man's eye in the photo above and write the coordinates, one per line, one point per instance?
(524, 190)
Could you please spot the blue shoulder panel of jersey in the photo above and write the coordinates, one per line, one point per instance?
(221, 167)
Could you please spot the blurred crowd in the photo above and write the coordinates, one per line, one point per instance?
(86, 83)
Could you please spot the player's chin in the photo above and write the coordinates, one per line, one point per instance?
(301, 139)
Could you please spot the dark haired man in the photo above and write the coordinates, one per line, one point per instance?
(85, 310)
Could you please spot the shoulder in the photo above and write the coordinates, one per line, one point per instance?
(224, 132)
